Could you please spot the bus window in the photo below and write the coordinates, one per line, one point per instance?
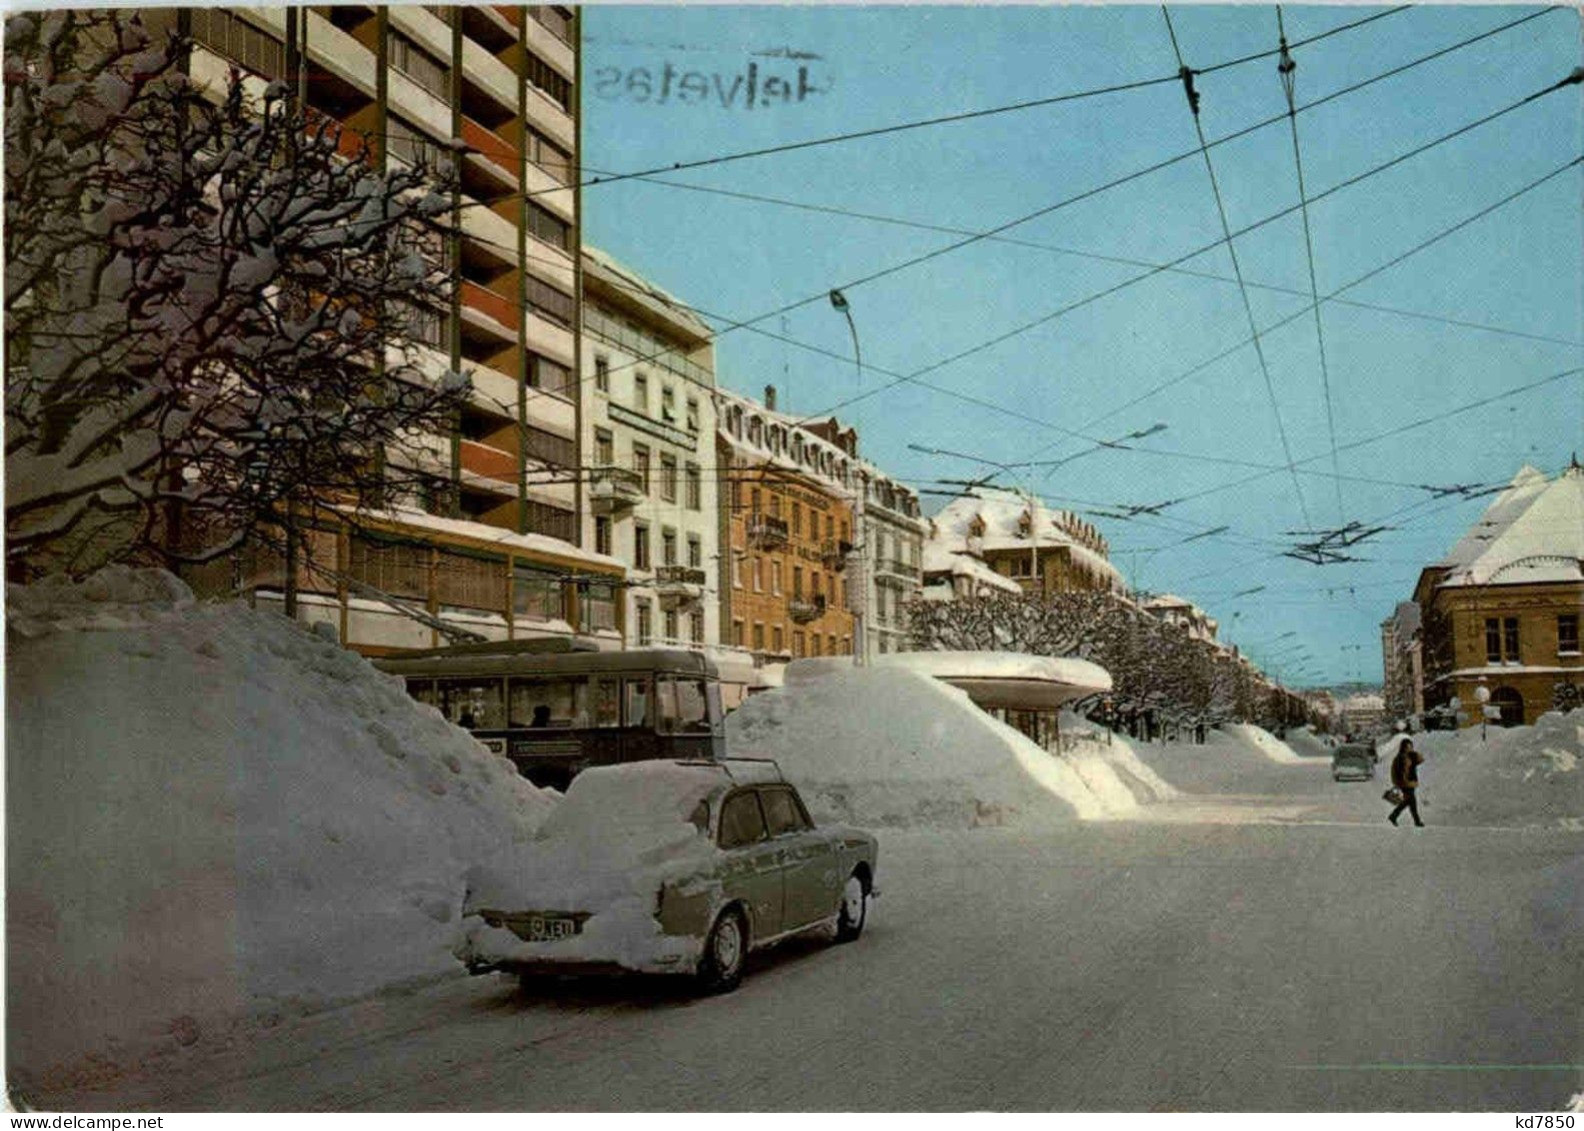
(638, 708)
(473, 703)
(683, 707)
(605, 702)
(540, 703)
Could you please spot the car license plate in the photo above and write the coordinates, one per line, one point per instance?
(546, 929)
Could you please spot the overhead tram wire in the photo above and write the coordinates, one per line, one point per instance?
(1333, 297)
(1287, 70)
(1237, 269)
(946, 119)
(1116, 183)
(1081, 432)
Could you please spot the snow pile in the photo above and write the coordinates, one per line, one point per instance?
(892, 747)
(1526, 776)
(1093, 750)
(1264, 741)
(214, 813)
(1307, 744)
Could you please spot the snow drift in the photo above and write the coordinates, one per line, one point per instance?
(214, 813)
(895, 748)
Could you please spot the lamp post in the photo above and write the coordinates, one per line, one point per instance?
(1482, 696)
(839, 303)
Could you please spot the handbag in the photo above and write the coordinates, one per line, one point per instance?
(1394, 795)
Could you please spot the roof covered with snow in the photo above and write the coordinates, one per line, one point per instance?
(1532, 532)
(938, 558)
(494, 535)
(1005, 518)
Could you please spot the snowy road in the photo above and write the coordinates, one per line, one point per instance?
(1305, 957)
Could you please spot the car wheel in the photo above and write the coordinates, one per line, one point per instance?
(725, 953)
(853, 911)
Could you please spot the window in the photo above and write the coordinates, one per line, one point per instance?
(536, 595)
(775, 576)
(1510, 638)
(645, 635)
(641, 464)
(546, 519)
(797, 583)
(759, 575)
(670, 624)
(418, 65)
(737, 572)
(557, 21)
(640, 696)
(753, 500)
(233, 37)
(814, 644)
(775, 506)
(696, 627)
(602, 374)
(695, 558)
(694, 487)
(547, 226)
(758, 638)
(797, 520)
(471, 702)
(797, 644)
(549, 448)
(783, 814)
(1567, 634)
(641, 393)
(550, 376)
(742, 822)
(599, 604)
(550, 157)
(684, 706)
(692, 414)
(668, 404)
(556, 305)
(777, 639)
(602, 535)
(405, 142)
(668, 477)
(604, 447)
(737, 633)
(605, 701)
(640, 546)
(547, 80)
(545, 703)
(668, 547)
(830, 526)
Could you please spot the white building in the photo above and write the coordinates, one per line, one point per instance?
(648, 431)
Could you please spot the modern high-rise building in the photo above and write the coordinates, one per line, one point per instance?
(489, 541)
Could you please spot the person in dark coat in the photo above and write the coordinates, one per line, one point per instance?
(1405, 776)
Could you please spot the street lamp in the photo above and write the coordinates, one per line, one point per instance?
(839, 303)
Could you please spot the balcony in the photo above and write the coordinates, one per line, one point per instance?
(833, 555)
(490, 463)
(805, 609)
(766, 532)
(677, 585)
(499, 313)
(895, 571)
(613, 489)
(493, 148)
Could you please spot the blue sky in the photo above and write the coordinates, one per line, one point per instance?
(1494, 306)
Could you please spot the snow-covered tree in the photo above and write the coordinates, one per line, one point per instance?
(208, 297)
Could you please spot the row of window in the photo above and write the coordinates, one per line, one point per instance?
(757, 500)
(766, 576)
(671, 620)
(643, 557)
(803, 644)
(1502, 643)
(642, 462)
(562, 703)
(640, 400)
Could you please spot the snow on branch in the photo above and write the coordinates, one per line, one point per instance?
(210, 311)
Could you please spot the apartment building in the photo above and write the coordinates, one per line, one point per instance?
(490, 537)
(1018, 537)
(1401, 662)
(1500, 613)
(648, 397)
(787, 512)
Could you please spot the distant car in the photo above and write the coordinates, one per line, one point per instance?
(1353, 762)
(679, 867)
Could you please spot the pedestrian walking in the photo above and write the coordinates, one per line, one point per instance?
(1405, 778)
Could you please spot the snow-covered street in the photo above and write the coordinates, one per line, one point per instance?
(1104, 966)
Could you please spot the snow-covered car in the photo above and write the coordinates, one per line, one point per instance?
(1353, 762)
(667, 867)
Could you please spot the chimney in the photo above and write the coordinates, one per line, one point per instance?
(770, 397)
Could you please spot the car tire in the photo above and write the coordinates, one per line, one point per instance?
(853, 909)
(725, 953)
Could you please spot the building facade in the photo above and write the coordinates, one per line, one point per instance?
(1501, 612)
(788, 534)
(1037, 549)
(488, 534)
(1401, 662)
(648, 396)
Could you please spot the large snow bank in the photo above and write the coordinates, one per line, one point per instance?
(1514, 776)
(1264, 741)
(1307, 744)
(214, 813)
(892, 747)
